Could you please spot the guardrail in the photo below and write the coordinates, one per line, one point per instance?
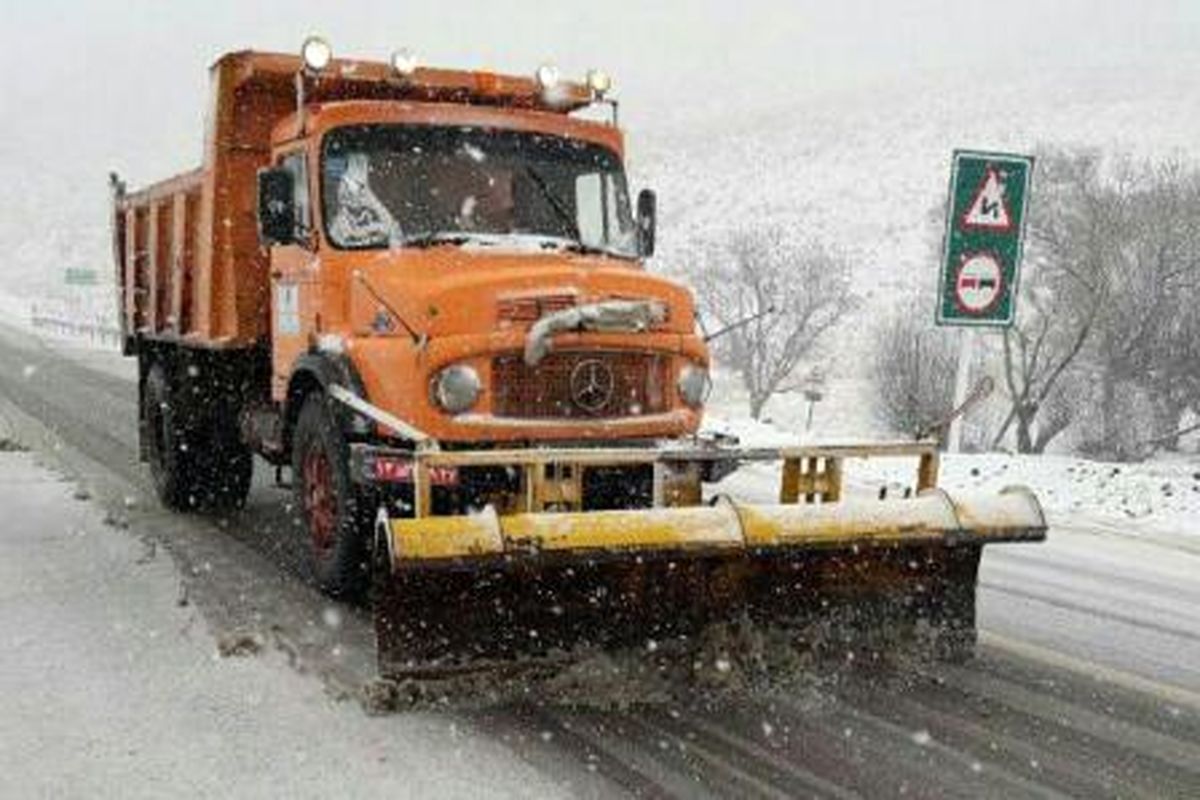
(97, 333)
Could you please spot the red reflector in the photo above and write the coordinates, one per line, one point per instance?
(443, 476)
(400, 470)
(393, 470)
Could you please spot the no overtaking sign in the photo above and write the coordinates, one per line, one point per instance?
(984, 233)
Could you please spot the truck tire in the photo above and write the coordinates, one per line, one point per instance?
(228, 468)
(172, 445)
(197, 462)
(336, 516)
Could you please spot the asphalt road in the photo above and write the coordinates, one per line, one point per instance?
(1087, 683)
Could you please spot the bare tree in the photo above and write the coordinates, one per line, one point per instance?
(1108, 304)
(1077, 229)
(1163, 297)
(912, 371)
(1144, 349)
(791, 292)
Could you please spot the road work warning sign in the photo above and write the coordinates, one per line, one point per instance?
(984, 236)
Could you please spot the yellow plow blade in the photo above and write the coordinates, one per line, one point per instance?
(458, 593)
(725, 527)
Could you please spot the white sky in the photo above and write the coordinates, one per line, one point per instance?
(124, 83)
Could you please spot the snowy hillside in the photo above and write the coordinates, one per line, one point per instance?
(865, 173)
(865, 170)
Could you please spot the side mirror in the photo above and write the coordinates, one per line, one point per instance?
(647, 221)
(276, 207)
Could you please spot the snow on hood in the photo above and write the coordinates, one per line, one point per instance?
(607, 316)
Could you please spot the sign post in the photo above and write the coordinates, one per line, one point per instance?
(985, 232)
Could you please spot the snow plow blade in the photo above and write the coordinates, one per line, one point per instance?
(489, 590)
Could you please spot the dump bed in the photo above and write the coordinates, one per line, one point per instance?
(188, 260)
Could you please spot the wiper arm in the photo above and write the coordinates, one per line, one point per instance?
(574, 246)
(586, 249)
(433, 239)
(560, 210)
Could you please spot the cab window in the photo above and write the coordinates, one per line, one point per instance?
(296, 164)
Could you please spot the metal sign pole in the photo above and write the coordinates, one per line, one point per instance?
(981, 259)
(962, 382)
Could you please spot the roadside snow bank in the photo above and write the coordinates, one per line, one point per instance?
(1161, 496)
(16, 311)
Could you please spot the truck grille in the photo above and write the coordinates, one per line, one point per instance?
(575, 386)
(531, 308)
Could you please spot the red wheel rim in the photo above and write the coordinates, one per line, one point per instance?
(320, 506)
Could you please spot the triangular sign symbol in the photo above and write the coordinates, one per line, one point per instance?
(988, 209)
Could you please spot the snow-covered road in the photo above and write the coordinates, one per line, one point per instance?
(1111, 600)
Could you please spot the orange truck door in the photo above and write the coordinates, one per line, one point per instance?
(294, 286)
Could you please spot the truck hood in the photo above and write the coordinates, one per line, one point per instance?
(448, 291)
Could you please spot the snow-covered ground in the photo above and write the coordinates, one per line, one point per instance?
(16, 310)
(110, 685)
(1158, 497)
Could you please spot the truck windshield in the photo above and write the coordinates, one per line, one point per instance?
(394, 185)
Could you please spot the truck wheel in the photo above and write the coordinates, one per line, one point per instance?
(336, 516)
(171, 447)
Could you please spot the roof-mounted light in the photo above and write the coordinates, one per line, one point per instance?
(316, 53)
(599, 81)
(404, 63)
(547, 77)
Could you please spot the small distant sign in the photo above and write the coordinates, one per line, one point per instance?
(77, 276)
(984, 236)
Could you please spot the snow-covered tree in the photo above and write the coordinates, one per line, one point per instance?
(787, 292)
(912, 369)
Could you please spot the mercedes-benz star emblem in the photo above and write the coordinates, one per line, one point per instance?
(592, 385)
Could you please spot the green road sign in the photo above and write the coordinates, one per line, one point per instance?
(985, 227)
(77, 276)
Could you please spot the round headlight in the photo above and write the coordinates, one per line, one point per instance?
(599, 82)
(404, 63)
(693, 385)
(457, 388)
(316, 53)
(547, 77)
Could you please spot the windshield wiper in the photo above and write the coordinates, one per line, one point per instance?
(586, 249)
(433, 239)
(564, 216)
(575, 246)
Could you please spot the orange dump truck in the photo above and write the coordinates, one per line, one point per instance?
(424, 292)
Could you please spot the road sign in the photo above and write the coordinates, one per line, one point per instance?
(78, 276)
(979, 283)
(985, 222)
